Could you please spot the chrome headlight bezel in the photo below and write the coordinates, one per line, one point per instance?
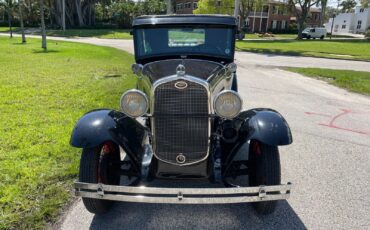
(145, 99)
(237, 97)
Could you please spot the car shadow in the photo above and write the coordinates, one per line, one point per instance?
(169, 216)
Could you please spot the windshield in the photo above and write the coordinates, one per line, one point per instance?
(208, 41)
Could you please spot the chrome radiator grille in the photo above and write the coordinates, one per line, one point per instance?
(181, 122)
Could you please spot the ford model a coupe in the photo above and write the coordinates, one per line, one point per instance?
(184, 120)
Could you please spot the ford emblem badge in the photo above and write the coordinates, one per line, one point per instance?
(181, 85)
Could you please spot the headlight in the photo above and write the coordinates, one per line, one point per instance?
(134, 103)
(228, 104)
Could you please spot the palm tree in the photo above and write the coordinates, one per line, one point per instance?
(323, 3)
(348, 5)
(21, 20)
(43, 30)
(9, 6)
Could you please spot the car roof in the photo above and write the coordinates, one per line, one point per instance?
(152, 20)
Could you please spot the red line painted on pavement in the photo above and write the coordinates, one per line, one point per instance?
(345, 129)
(318, 114)
(332, 125)
(345, 111)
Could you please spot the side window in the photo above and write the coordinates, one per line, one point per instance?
(312, 30)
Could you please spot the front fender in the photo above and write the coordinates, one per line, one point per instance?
(265, 125)
(98, 126)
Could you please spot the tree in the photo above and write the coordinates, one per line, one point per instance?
(329, 12)
(323, 4)
(365, 3)
(21, 21)
(43, 29)
(301, 11)
(215, 7)
(9, 8)
(246, 6)
(348, 5)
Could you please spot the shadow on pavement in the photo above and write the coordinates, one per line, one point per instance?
(169, 216)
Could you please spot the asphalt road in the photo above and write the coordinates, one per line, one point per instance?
(328, 163)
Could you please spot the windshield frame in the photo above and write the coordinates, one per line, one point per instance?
(201, 55)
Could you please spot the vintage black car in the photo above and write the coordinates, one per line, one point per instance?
(183, 121)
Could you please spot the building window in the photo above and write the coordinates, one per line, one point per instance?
(219, 3)
(362, 10)
(195, 5)
(283, 25)
(278, 26)
(180, 6)
(343, 26)
(344, 21)
(359, 22)
(274, 24)
(280, 10)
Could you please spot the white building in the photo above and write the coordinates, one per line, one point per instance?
(344, 23)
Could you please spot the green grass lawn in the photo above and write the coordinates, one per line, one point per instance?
(354, 81)
(99, 33)
(6, 29)
(42, 96)
(276, 36)
(342, 49)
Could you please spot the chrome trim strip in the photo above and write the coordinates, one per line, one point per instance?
(183, 195)
(210, 110)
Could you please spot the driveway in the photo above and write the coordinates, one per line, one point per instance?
(328, 163)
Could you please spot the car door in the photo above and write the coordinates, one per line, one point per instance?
(313, 33)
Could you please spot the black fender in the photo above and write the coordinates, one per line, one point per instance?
(99, 126)
(265, 125)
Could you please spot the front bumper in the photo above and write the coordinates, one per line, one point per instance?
(183, 195)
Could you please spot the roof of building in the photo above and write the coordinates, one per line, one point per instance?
(184, 19)
(312, 9)
(315, 10)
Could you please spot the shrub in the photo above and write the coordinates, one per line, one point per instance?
(367, 34)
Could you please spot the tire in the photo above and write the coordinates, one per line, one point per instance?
(265, 170)
(308, 37)
(322, 37)
(93, 161)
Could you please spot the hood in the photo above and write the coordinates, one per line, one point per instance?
(198, 68)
